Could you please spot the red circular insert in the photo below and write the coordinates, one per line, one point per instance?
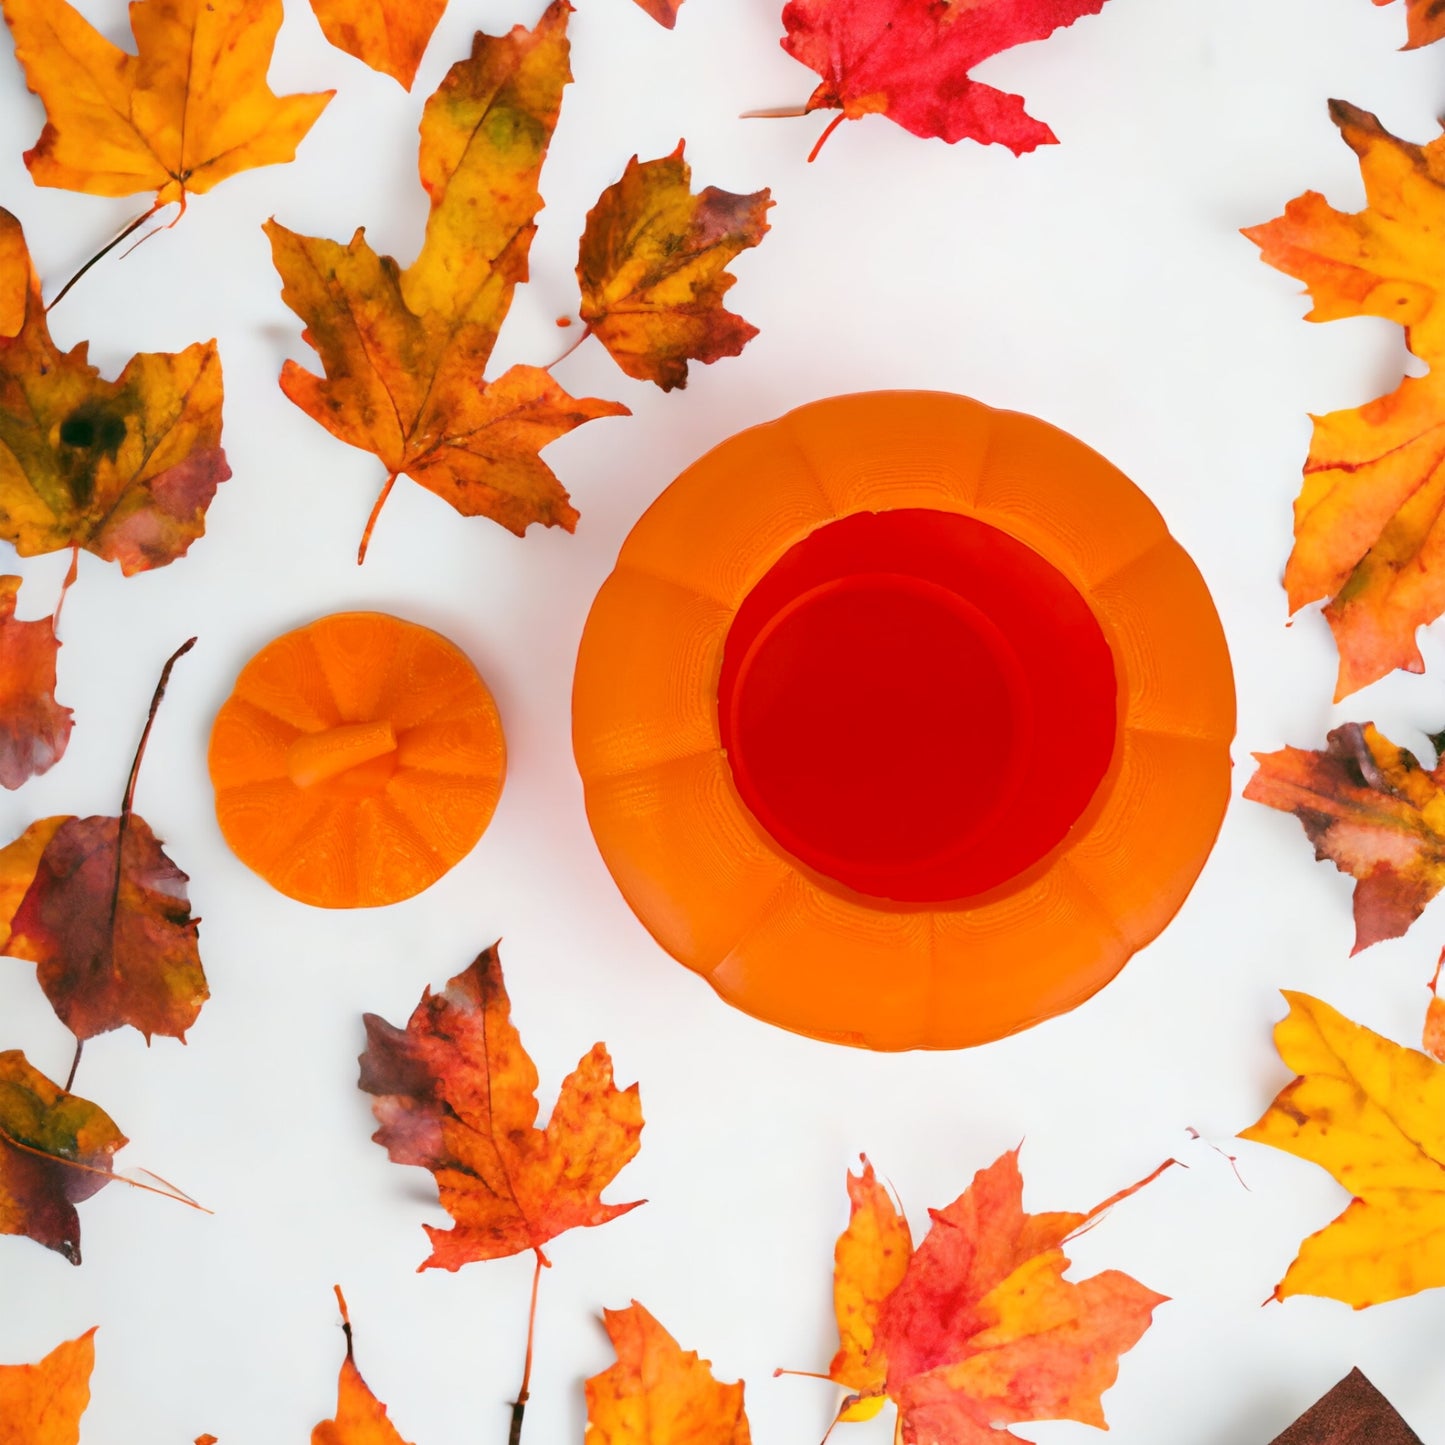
(916, 704)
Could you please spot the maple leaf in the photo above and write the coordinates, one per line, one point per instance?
(34, 728)
(41, 1404)
(1374, 812)
(910, 60)
(657, 1393)
(404, 351)
(191, 108)
(124, 468)
(456, 1094)
(1366, 522)
(652, 268)
(1354, 1412)
(360, 1418)
(388, 35)
(55, 1152)
(1424, 21)
(1372, 1113)
(663, 11)
(977, 1328)
(101, 910)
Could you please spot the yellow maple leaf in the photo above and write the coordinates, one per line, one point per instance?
(189, 109)
(1372, 1112)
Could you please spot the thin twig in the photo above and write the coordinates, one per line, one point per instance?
(375, 513)
(104, 251)
(519, 1406)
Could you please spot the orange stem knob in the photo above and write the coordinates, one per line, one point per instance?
(314, 757)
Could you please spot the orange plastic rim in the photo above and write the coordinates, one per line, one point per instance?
(358, 759)
(904, 721)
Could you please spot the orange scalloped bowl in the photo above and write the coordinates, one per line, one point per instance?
(904, 721)
(358, 759)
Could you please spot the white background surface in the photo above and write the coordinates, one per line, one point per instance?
(1100, 284)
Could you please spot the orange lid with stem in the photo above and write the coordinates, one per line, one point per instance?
(358, 759)
(904, 721)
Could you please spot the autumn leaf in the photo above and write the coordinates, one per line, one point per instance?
(361, 1418)
(1374, 812)
(456, 1093)
(657, 1393)
(1366, 527)
(652, 268)
(1424, 21)
(1433, 1034)
(663, 11)
(124, 468)
(1372, 1113)
(101, 910)
(977, 1328)
(910, 60)
(34, 728)
(42, 1404)
(191, 108)
(1353, 1413)
(404, 351)
(55, 1152)
(388, 35)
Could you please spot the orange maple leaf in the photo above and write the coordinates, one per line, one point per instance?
(456, 1094)
(977, 1328)
(101, 910)
(652, 268)
(404, 351)
(124, 468)
(1424, 21)
(1366, 524)
(1372, 1113)
(360, 1418)
(41, 1404)
(1374, 812)
(388, 35)
(34, 728)
(189, 109)
(657, 1393)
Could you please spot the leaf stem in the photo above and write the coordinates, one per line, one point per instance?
(130, 229)
(375, 513)
(74, 1064)
(71, 573)
(519, 1407)
(898, 1429)
(831, 127)
(171, 1192)
(586, 332)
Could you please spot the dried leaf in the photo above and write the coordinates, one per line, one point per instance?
(1366, 523)
(404, 351)
(1433, 1034)
(1353, 1413)
(361, 1418)
(42, 1404)
(1374, 812)
(104, 916)
(124, 468)
(55, 1152)
(191, 108)
(663, 11)
(456, 1094)
(1424, 21)
(34, 728)
(658, 1394)
(388, 35)
(977, 1328)
(910, 60)
(652, 269)
(1372, 1113)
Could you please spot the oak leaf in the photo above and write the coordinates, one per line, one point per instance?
(910, 60)
(124, 468)
(34, 727)
(41, 1404)
(404, 351)
(360, 1418)
(101, 910)
(1353, 1413)
(976, 1328)
(1366, 524)
(657, 1393)
(55, 1152)
(652, 268)
(388, 35)
(1374, 812)
(1372, 1113)
(456, 1094)
(1424, 21)
(191, 108)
